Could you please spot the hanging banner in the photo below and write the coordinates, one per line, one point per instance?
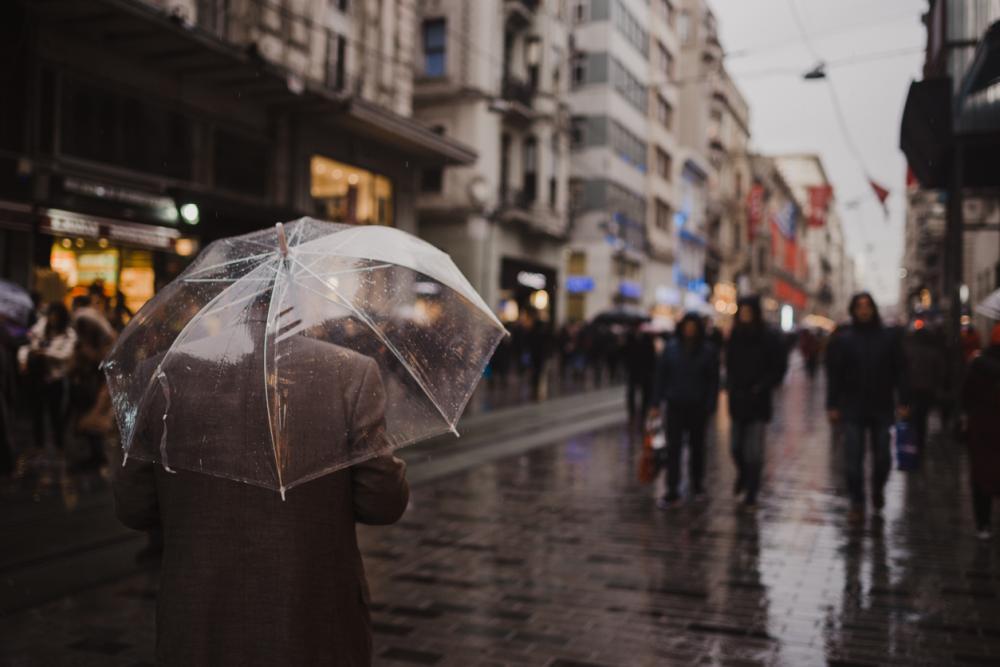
(819, 204)
(755, 209)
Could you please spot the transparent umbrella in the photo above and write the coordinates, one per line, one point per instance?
(289, 353)
(990, 306)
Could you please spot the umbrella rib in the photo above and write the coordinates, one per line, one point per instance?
(272, 320)
(385, 341)
(249, 258)
(184, 330)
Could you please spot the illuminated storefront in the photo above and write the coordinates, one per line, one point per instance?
(345, 193)
(129, 259)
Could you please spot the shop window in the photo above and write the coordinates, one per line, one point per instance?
(242, 163)
(345, 193)
(435, 32)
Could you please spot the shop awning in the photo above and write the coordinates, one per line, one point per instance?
(144, 33)
(984, 71)
(926, 132)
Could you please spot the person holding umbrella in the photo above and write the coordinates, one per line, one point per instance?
(687, 380)
(260, 397)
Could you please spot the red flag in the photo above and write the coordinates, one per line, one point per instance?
(819, 204)
(882, 194)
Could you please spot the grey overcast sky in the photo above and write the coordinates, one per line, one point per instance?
(873, 50)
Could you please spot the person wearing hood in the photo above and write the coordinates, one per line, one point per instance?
(980, 398)
(687, 380)
(756, 362)
(866, 384)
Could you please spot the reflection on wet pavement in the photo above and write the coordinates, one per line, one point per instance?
(559, 557)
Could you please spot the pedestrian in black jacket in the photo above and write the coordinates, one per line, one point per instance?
(756, 361)
(687, 379)
(640, 364)
(865, 384)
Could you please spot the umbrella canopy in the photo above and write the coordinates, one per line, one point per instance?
(280, 356)
(15, 303)
(990, 306)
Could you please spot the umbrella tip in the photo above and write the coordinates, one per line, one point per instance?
(282, 489)
(282, 239)
(455, 431)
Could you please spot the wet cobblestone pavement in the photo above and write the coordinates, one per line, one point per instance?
(558, 557)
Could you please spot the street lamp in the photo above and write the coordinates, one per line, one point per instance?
(816, 73)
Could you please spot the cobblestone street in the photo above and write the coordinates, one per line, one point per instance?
(559, 557)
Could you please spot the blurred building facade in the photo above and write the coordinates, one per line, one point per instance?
(950, 134)
(147, 128)
(828, 282)
(494, 74)
(611, 168)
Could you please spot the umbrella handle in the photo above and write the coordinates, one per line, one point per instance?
(282, 240)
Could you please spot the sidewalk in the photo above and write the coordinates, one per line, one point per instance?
(67, 538)
(556, 557)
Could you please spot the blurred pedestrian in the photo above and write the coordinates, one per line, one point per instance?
(980, 401)
(755, 365)
(809, 349)
(865, 384)
(927, 376)
(46, 360)
(90, 403)
(539, 348)
(687, 379)
(640, 367)
(248, 578)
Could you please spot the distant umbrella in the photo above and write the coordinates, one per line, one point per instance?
(990, 306)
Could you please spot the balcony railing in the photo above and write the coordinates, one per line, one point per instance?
(517, 90)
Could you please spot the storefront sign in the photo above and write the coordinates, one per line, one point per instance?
(579, 284)
(630, 290)
(531, 279)
(66, 223)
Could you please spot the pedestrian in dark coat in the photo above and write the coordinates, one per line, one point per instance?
(640, 365)
(756, 362)
(927, 377)
(687, 379)
(981, 403)
(247, 578)
(865, 385)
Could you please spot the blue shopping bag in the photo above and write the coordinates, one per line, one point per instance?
(907, 454)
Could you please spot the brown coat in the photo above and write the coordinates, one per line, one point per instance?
(249, 579)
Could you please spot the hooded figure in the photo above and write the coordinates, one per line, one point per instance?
(756, 361)
(980, 398)
(865, 384)
(687, 379)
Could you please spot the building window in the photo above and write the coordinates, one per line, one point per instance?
(554, 176)
(432, 178)
(345, 193)
(343, 5)
(666, 62)
(664, 164)
(336, 54)
(664, 216)
(684, 26)
(580, 11)
(529, 189)
(664, 112)
(241, 163)
(533, 60)
(628, 86)
(435, 31)
(504, 166)
(579, 70)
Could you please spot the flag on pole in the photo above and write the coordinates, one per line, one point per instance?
(785, 219)
(882, 194)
